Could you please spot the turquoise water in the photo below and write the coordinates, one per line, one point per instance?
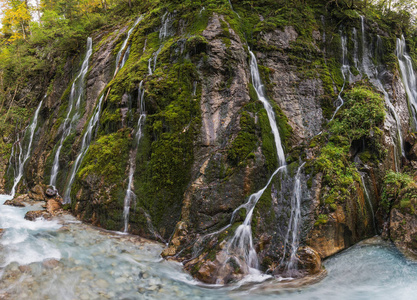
(88, 263)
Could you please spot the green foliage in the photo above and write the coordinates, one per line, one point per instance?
(322, 219)
(399, 189)
(363, 114)
(107, 157)
(359, 119)
(245, 142)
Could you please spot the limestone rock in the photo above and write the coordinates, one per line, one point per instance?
(25, 269)
(50, 263)
(15, 202)
(35, 214)
(53, 206)
(403, 231)
(206, 272)
(37, 193)
(310, 260)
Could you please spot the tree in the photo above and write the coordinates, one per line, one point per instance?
(16, 19)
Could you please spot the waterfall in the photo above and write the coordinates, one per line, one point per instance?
(164, 30)
(345, 69)
(408, 77)
(241, 244)
(77, 92)
(149, 66)
(324, 29)
(231, 6)
(153, 58)
(368, 199)
(259, 88)
(130, 195)
(366, 63)
(156, 58)
(120, 62)
(355, 48)
(374, 75)
(88, 135)
(294, 225)
(24, 154)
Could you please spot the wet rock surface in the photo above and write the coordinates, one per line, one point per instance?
(220, 180)
(403, 231)
(50, 192)
(35, 214)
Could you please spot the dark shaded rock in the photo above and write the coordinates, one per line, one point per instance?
(50, 192)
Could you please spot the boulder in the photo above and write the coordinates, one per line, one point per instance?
(403, 231)
(18, 201)
(50, 263)
(37, 193)
(310, 260)
(25, 269)
(53, 206)
(35, 214)
(51, 192)
(15, 203)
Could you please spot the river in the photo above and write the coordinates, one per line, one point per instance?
(66, 259)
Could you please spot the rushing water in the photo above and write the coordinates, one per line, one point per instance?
(231, 6)
(77, 92)
(23, 153)
(87, 137)
(294, 226)
(374, 75)
(120, 62)
(130, 195)
(368, 198)
(241, 244)
(95, 264)
(164, 30)
(345, 70)
(408, 76)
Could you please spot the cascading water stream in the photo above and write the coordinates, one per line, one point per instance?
(130, 195)
(24, 154)
(163, 34)
(164, 30)
(77, 92)
(120, 62)
(294, 225)
(408, 77)
(231, 6)
(241, 244)
(374, 75)
(368, 198)
(259, 88)
(88, 135)
(366, 63)
(150, 71)
(345, 69)
(355, 48)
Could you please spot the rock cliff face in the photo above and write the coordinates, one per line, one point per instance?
(207, 143)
